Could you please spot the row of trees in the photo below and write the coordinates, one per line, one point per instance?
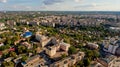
(7, 64)
(9, 54)
(84, 63)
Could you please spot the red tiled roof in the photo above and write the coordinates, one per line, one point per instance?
(1, 53)
(12, 49)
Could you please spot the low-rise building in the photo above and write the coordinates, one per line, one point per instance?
(1, 44)
(17, 60)
(27, 34)
(2, 26)
(92, 45)
(9, 59)
(64, 46)
(26, 44)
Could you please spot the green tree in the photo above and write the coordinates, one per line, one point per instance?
(34, 46)
(89, 54)
(8, 41)
(21, 49)
(63, 56)
(34, 52)
(80, 64)
(4, 47)
(7, 64)
(12, 54)
(72, 50)
(15, 38)
(24, 58)
(86, 62)
(5, 55)
(92, 54)
(96, 54)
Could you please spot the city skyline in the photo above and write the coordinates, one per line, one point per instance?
(59, 5)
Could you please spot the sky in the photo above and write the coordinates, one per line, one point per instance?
(60, 5)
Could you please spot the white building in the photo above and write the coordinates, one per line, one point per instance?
(2, 26)
(56, 46)
(42, 39)
(117, 29)
(51, 51)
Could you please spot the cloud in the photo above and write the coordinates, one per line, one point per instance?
(77, 0)
(3, 1)
(51, 2)
(87, 6)
(92, 7)
(22, 8)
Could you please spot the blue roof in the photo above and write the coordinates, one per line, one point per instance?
(23, 63)
(27, 34)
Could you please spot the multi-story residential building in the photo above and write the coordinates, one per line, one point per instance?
(109, 61)
(117, 53)
(34, 23)
(88, 22)
(51, 51)
(111, 45)
(34, 61)
(51, 24)
(11, 23)
(69, 61)
(55, 46)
